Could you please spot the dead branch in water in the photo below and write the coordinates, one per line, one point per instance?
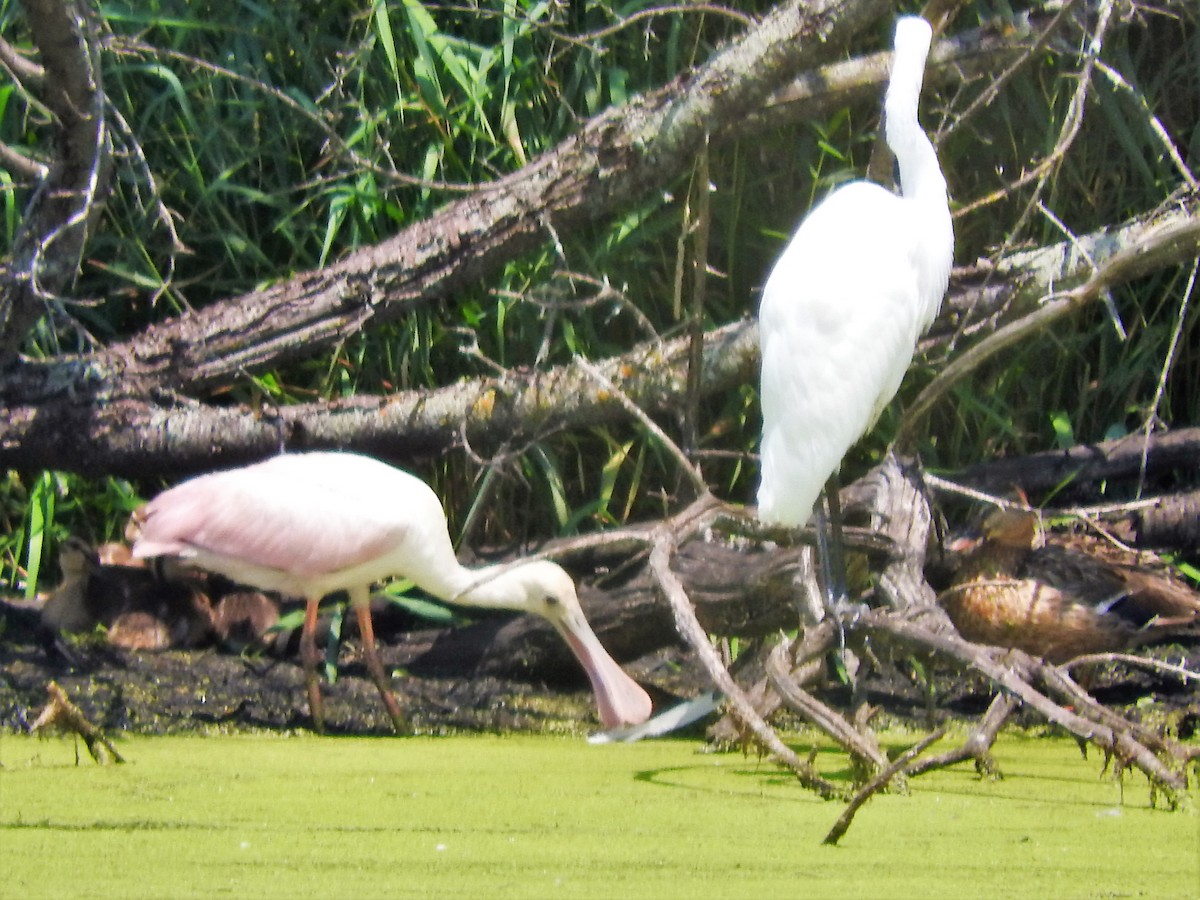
(60, 713)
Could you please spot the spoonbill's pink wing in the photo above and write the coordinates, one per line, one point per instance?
(305, 514)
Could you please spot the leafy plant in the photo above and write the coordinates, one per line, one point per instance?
(258, 141)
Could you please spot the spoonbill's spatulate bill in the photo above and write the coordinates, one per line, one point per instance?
(842, 310)
(309, 524)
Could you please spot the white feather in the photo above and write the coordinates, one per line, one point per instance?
(843, 308)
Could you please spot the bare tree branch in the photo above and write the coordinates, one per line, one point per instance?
(616, 158)
(1012, 671)
(690, 629)
(46, 253)
(77, 415)
(87, 428)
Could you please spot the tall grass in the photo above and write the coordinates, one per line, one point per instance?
(278, 137)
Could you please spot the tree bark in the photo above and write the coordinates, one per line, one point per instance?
(48, 245)
(615, 159)
(73, 416)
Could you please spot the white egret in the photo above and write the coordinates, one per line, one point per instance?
(841, 313)
(310, 524)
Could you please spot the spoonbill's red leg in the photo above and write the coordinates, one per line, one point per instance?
(366, 628)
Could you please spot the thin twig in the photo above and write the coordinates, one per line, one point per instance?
(702, 187)
(1040, 174)
(1145, 662)
(1109, 305)
(61, 713)
(994, 86)
(692, 631)
(1156, 127)
(877, 783)
(1168, 362)
(693, 474)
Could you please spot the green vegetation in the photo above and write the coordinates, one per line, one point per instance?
(510, 816)
(272, 139)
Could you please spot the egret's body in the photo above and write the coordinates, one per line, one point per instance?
(309, 524)
(842, 310)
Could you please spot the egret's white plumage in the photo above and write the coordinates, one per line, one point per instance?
(841, 313)
(309, 524)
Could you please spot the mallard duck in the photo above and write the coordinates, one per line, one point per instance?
(1055, 602)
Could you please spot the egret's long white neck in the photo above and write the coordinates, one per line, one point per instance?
(920, 174)
(921, 179)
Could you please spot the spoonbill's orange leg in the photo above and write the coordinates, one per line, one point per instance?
(366, 628)
(310, 658)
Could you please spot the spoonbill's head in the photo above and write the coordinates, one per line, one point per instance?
(546, 590)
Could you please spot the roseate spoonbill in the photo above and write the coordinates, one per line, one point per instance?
(1056, 602)
(842, 310)
(309, 524)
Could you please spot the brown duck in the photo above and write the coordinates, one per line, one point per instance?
(1056, 602)
(140, 609)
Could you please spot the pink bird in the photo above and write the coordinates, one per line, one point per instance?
(310, 524)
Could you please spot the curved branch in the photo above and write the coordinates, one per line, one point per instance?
(691, 631)
(1077, 272)
(46, 252)
(621, 155)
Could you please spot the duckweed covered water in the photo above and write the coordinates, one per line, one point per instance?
(525, 816)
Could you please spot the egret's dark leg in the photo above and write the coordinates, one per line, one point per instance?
(831, 553)
(309, 658)
(361, 601)
(831, 548)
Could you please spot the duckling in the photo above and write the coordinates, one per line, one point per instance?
(141, 609)
(1055, 602)
(115, 553)
(241, 619)
(93, 591)
(139, 629)
(68, 608)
